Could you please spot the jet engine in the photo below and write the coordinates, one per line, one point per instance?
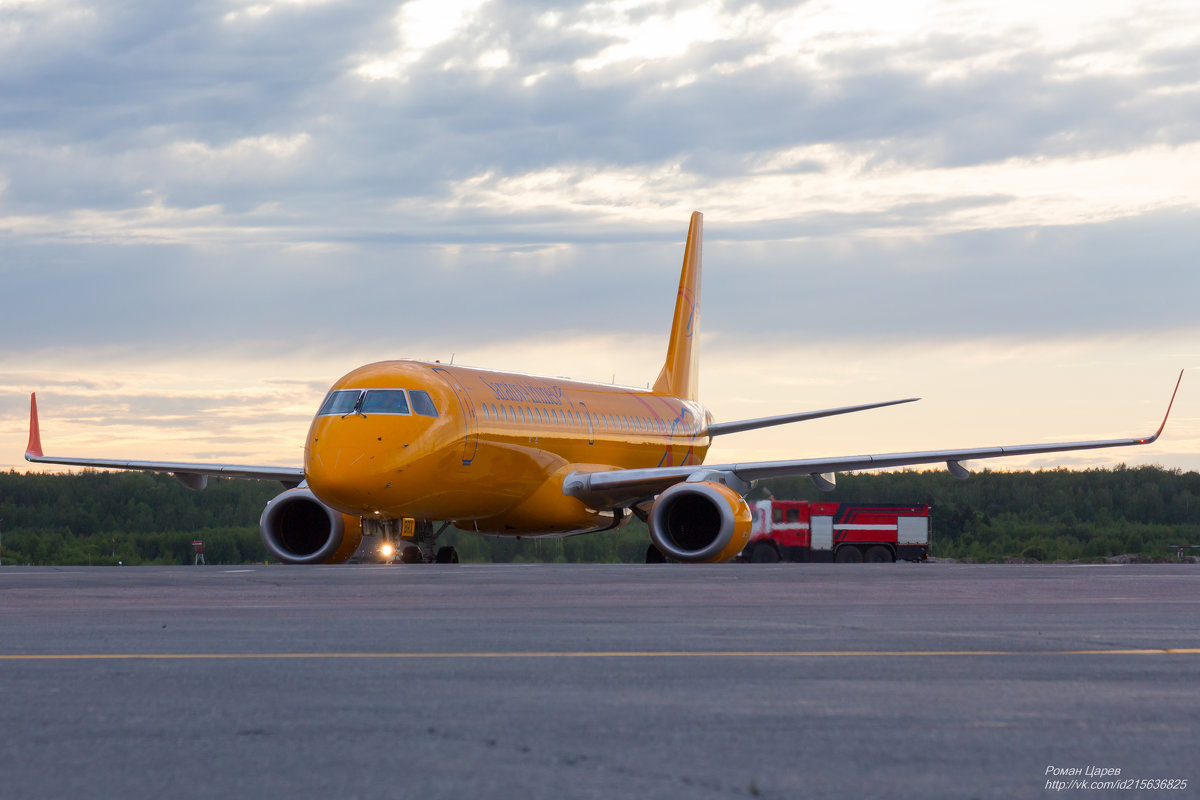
(297, 528)
(701, 522)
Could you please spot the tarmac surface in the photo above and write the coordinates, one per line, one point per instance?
(605, 681)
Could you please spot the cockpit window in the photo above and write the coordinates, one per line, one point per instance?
(385, 401)
(339, 403)
(422, 403)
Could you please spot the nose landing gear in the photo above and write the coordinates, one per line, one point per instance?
(407, 541)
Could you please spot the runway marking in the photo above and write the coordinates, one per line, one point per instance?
(597, 654)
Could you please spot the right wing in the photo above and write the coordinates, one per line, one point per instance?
(191, 475)
(627, 487)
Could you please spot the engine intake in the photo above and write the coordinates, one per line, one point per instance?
(702, 522)
(297, 528)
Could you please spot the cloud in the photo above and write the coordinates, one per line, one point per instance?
(318, 182)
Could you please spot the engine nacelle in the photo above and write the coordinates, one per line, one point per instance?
(297, 528)
(701, 522)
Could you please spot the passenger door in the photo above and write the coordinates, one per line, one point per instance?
(471, 442)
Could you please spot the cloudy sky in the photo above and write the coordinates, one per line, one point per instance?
(210, 211)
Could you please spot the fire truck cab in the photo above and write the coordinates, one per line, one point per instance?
(797, 530)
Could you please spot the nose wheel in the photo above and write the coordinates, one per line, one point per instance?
(418, 548)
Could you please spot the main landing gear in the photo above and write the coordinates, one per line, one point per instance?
(426, 538)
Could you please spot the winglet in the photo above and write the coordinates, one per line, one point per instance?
(1164, 422)
(34, 448)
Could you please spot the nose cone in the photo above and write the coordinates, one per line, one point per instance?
(345, 467)
(339, 485)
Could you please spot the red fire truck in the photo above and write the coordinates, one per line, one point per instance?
(797, 530)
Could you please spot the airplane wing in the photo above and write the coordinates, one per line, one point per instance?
(721, 428)
(627, 487)
(191, 475)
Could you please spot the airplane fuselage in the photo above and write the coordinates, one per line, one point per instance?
(488, 450)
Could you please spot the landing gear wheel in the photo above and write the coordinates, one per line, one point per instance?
(654, 555)
(878, 555)
(446, 555)
(410, 555)
(764, 553)
(848, 554)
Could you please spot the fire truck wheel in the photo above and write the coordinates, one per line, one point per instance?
(764, 553)
(879, 555)
(848, 554)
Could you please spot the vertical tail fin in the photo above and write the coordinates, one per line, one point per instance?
(680, 376)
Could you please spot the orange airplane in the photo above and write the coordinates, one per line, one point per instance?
(399, 446)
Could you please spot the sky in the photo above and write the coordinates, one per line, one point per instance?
(210, 211)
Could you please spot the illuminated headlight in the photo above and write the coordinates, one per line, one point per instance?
(387, 551)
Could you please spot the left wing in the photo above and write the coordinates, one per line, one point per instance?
(191, 475)
(627, 487)
(722, 428)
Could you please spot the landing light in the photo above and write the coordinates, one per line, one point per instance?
(387, 551)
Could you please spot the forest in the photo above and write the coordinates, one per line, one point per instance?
(98, 518)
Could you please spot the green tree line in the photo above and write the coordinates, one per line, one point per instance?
(128, 517)
(139, 518)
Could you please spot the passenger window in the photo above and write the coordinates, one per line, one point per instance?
(793, 515)
(503, 416)
(385, 401)
(422, 403)
(339, 403)
(777, 515)
(483, 406)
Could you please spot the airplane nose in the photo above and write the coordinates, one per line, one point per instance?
(338, 477)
